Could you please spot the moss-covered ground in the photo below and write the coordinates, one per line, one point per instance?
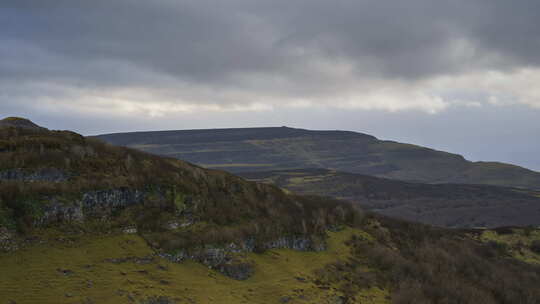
(80, 270)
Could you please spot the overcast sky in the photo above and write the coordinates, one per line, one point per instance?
(456, 75)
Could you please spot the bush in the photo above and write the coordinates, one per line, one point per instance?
(422, 264)
(535, 246)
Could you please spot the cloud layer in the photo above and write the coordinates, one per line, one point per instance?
(134, 64)
(164, 56)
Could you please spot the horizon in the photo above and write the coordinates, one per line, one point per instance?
(461, 76)
(277, 127)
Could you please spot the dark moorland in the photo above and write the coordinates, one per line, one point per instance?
(269, 149)
(449, 205)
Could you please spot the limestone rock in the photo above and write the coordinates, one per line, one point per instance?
(41, 175)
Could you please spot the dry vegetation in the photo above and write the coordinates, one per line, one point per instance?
(422, 264)
(230, 207)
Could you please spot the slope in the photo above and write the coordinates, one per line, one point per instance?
(449, 205)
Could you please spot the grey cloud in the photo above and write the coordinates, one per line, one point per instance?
(237, 51)
(213, 41)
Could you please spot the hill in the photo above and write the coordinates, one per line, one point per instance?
(18, 122)
(449, 205)
(82, 221)
(270, 149)
(53, 177)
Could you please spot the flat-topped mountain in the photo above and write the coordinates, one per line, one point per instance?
(266, 149)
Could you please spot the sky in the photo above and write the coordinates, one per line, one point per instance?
(456, 75)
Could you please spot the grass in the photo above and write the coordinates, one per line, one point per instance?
(77, 270)
(234, 165)
(517, 243)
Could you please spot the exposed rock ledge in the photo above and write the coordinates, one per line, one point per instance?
(93, 203)
(225, 259)
(230, 259)
(41, 175)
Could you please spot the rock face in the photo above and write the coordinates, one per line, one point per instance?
(100, 203)
(226, 259)
(57, 212)
(41, 175)
(296, 243)
(104, 202)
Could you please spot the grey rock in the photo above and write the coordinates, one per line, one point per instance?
(56, 212)
(158, 300)
(104, 202)
(222, 258)
(101, 203)
(5, 234)
(285, 299)
(296, 243)
(237, 270)
(41, 175)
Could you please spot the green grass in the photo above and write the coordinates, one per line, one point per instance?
(32, 275)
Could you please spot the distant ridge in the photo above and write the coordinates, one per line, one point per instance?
(225, 134)
(284, 148)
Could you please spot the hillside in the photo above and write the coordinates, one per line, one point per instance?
(82, 221)
(270, 149)
(449, 205)
(53, 177)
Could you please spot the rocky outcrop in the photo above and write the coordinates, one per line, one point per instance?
(57, 212)
(158, 300)
(104, 202)
(225, 259)
(238, 270)
(296, 243)
(41, 175)
(7, 240)
(101, 203)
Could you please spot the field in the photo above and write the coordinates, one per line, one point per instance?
(121, 269)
